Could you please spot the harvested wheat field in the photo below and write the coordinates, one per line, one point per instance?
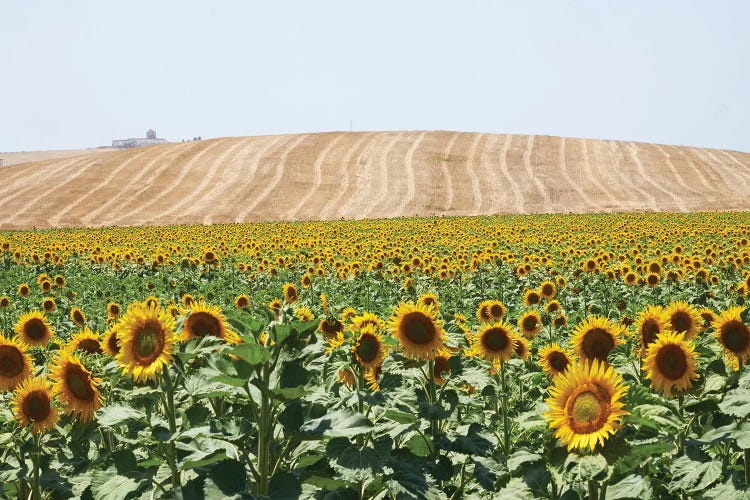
(356, 175)
(32, 156)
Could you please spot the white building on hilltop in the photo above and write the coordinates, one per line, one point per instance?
(136, 142)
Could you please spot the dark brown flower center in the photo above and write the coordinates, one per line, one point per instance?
(597, 343)
(79, 383)
(368, 347)
(496, 310)
(418, 328)
(558, 361)
(35, 329)
(529, 323)
(113, 344)
(681, 321)
(649, 331)
(11, 361)
(671, 361)
(495, 339)
(735, 336)
(202, 324)
(36, 406)
(90, 346)
(148, 343)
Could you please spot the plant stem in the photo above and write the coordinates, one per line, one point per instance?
(36, 493)
(504, 407)
(171, 449)
(747, 467)
(264, 434)
(432, 387)
(593, 490)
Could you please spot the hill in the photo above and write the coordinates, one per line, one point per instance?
(368, 175)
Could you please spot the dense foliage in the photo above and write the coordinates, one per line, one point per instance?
(580, 356)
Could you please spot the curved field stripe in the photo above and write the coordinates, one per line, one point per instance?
(566, 174)
(278, 174)
(680, 178)
(409, 166)
(317, 177)
(635, 154)
(518, 199)
(208, 176)
(141, 206)
(354, 208)
(133, 180)
(471, 172)
(724, 170)
(237, 194)
(448, 182)
(31, 176)
(535, 175)
(92, 194)
(221, 185)
(742, 175)
(371, 137)
(627, 183)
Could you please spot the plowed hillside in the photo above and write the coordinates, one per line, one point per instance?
(368, 175)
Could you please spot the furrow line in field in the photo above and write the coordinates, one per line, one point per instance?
(575, 185)
(409, 166)
(518, 198)
(317, 178)
(371, 137)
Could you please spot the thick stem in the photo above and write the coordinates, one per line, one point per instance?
(593, 490)
(36, 493)
(747, 467)
(432, 387)
(171, 449)
(264, 435)
(504, 408)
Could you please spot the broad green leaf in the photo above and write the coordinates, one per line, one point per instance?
(632, 486)
(252, 354)
(211, 458)
(339, 423)
(418, 445)
(521, 457)
(229, 380)
(516, 489)
(401, 417)
(693, 476)
(284, 486)
(112, 415)
(586, 467)
(736, 403)
(657, 417)
(229, 476)
(107, 484)
(742, 435)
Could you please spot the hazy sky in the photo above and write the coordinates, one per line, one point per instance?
(79, 74)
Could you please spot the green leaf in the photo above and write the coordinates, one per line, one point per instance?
(293, 375)
(726, 491)
(632, 486)
(212, 458)
(418, 445)
(586, 467)
(233, 381)
(125, 461)
(229, 476)
(252, 354)
(656, 417)
(736, 403)
(339, 423)
(521, 457)
(284, 486)
(112, 415)
(107, 484)
(401, 417)
(742, 435)
(693, 476)
(516, 489)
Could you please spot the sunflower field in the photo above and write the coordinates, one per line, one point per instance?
(549, 356)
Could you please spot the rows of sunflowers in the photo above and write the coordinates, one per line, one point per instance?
(556, 356)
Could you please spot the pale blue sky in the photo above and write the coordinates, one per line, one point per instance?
(79, 74)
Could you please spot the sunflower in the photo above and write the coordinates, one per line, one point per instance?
(554, 360)
(631, 278)
(111, 342)
(290, 293)
(367, 318)
(330, 328)
(733, 335)
(494, 342)
(652, 279)
(206, 320)
(33, 328)
(547, 289)
(187, 300)
(75, 386)
(77, 316)
(369, 349)
(15, 364)
(59, 281)
(371, 377)
(346, 377)
(684, 318)
(441, 367)
(418, 331)
(24, 290)
(483, 311)
(531, 297)
(32, 404)
(585, 404)
(146, 335)
(348, 313)
(553, 306)
(522, 347)
(648, 325)
(429, 300)
(4, 302)
(48, 304)
(86, 340)
(670, 362)
(114, 310)
(595, 337)
(275, 306)
(241, 301)
(497, 310)
(304, 314)
(530, 324)
(560, 321)
(306, 280)
(708, 316)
